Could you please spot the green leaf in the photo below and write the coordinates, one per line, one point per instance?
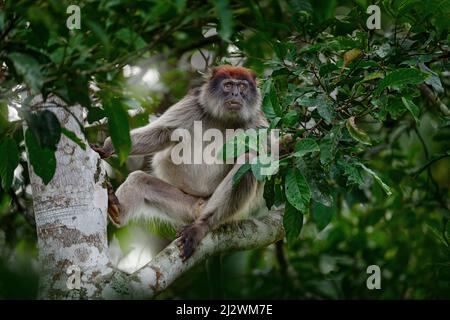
(240, 173)
(329, 143)
(401, 77)
(180, 5)
(72, 136)
(372, 76)
(226, 19)
(130, 37)
(383, 185)
(3, 116)
(327, 68)
(291, 118)
(27, 67)
(322, 215)
(9, 160)
(325, 110)
(234, 147)
(263, 166)
(357, 133)
(352, 172)
(297, 190)
(118, 127)
(267, 105)
(305, 146)
(46, 128)
(273, 96)
(42, 159)
(269, 193)
(413, 108)
(292, 223)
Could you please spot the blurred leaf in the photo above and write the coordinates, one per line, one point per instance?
(130, 37)
(45, 127)
(322, 215)
(9, 160)
(292, 223)
(226, 19)
(27, 67)
(383, 185)
(411, 108)
(351, 55)
(42, 159)
(118, 127)
(72, 136)
(3, 116)
(240, 173)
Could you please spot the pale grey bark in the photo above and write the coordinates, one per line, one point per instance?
(71, 219)
(167, 266)
(70, 213)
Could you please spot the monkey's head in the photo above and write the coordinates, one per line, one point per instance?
(231, 93)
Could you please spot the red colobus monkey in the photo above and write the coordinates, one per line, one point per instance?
(196, 197)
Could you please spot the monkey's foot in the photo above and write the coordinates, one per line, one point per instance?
(190, 237)
(113, 205)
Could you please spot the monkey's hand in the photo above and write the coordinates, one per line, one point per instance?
(101, 151)
(190, 237)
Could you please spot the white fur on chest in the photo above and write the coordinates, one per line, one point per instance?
(202, 171)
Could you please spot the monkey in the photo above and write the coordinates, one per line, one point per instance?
(195, 198)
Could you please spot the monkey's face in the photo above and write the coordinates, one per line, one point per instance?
(232, 94)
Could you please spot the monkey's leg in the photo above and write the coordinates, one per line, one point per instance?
(223, 204)
(145, 196)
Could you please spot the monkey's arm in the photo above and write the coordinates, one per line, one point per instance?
(224, 202)
(156, 136)
(146, 140)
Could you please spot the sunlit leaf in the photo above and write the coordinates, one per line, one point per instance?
(383, 185)
(356, 132)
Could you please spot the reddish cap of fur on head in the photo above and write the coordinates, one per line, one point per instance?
(234, 72)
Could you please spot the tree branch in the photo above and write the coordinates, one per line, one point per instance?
(167, 266)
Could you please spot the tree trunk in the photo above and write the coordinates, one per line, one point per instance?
(70, 214)
(71, 220)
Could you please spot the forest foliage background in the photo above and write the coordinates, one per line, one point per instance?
(364, 171)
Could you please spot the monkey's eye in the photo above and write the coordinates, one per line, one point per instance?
(227, 86)
(242, 87)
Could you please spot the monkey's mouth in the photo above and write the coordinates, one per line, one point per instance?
(233, 105)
